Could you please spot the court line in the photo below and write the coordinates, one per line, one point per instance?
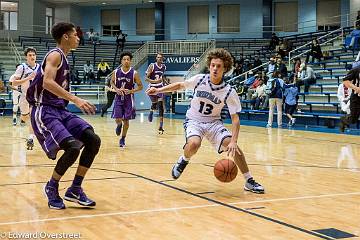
(39, 182)
(168, 209)
(224, 204)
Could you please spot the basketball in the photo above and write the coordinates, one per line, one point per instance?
(225, 170)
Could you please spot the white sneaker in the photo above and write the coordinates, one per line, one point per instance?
(179, 167)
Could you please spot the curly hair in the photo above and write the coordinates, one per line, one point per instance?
(222, 54)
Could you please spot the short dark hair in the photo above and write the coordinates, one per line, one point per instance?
(126, 54)
(59, 29)
(29, 49)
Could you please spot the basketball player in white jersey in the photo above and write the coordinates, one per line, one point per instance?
(203, 118)
(21, 79)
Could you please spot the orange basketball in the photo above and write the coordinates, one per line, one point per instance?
(225, 170)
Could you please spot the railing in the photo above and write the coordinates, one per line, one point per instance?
(290, 58)
(140, 54)
(12, 46)
(201, 64)
(309, 43)
(97, 90)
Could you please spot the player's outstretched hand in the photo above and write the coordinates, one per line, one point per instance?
(85, 106)
(152, 91)
(120, 91)
(232, 148)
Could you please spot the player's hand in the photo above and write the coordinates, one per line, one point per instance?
(85, 106)
(120, 92)
(357, 90)
(152, 91)
(32, 76)
(232, 148)
(126, 91)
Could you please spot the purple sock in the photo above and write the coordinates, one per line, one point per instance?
(161, 124)
(53, 182)
(77, 181)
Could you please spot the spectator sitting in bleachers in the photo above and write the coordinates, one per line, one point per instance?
(258, 97)
(252, 88)
(271, 67)
(274, 41)
(89, 72)
(315, 51)
(307, 77)
(80, 34)
(238, 68)
(296, 66)
(352, 40)
(281, 49)
(281, 67)
(103, 69)
(257, 62)
(74, 76)
(343, 95)
(93, 36)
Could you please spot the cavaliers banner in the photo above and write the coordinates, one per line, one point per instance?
(176, 62)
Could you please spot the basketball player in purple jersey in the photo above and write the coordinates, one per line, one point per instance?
(154, 75)
(123, 81)
(55, 127)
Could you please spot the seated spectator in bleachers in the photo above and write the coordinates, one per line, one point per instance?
(281, 67)
(291, 97)
(252, 88)
(247, 65)
(352, 40)
(259, 96)
(281, 49)
(274, 41)
(74, 76)
(315, 51)
(103, 69)
(343, 95)
(258, 62)
(80, 34)
(307, 77)
(93, 36)
(271, 67)
(296, 68)
(89, 72)
(238, 68)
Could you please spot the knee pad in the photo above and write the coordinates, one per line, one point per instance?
(154, 106)
(161, 109)
(72, 147)
(92, 145)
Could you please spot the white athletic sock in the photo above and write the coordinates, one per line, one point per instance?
(247, 176)
(31, 136)
(186, 159)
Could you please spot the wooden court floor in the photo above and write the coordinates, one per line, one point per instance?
(311, 181)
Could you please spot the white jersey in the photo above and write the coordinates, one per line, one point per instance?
(23, 71)
(209, 99)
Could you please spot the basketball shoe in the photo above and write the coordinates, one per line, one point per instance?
(52, 194)
(122, 142)
(77, 195)
(30, 144)
(179, 167)
(252, 186)
(161, 130)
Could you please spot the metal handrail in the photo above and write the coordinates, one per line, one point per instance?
(309, 43)
(197, 67)
(14, 49)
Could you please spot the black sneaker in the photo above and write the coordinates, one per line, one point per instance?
(342, 125)
(161, 130)
(30, 144)
(252, 186)
(179, 167)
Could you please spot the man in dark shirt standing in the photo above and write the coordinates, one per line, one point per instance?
(352, 80)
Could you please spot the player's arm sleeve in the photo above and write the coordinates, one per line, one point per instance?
(193, 81)
(233, 103)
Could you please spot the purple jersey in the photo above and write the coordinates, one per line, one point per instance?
(124, 80)
(157, 72)
(37, 95)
